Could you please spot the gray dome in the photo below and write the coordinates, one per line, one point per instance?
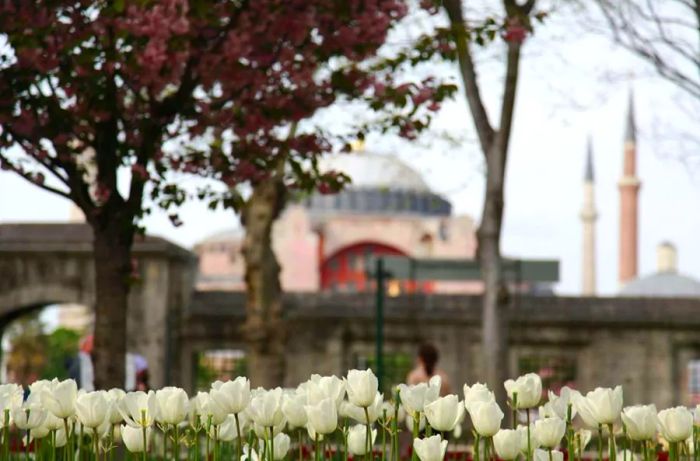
(663, 285)
(375, 171)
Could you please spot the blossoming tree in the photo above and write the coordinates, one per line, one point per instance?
(93, 93)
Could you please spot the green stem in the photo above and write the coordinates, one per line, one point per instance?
(600, 442)
(6, 435)
(272, 444)
(239, 445)
(96, 441)
(144, 432)
(569, 432)
(487, 450)
(477, 440)
(368, 436)
(165, 442)
(301, 447)
(529, 443)
(195, 429)
(209, 436)
(515, 410)
(550, 454)
(66, 447)
(53, 445)
(177, 443)
(611, 443)
(383, 427)
(673, 451)
(416, 429)
(316, 453)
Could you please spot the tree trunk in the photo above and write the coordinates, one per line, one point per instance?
(112, 256)
(495, 298)
(264, 328)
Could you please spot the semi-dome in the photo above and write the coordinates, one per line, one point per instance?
(381, 184)
(663, 285)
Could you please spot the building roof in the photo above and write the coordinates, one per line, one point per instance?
(663, 284)
(375, 171)
(224, 236)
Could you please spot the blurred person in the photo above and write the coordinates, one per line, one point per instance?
(426, 368)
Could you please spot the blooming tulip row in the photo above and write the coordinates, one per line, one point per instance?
(233, 421)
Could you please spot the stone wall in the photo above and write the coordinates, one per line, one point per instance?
(643, 344)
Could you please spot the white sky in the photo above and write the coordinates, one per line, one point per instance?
(572, 84)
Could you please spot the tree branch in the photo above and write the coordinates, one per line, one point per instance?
(468, 72)
(29, 178)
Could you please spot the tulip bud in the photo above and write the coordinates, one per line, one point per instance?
(234, 396)
(585, 411)
(507, 443)
(282, 443)
(171, 405)
(486, 417)
(477, 393)
(431, 448)
(322, 417)
(583, 437)
(61, 439)
(444, 413)
(91, 408)
(676, 424)
(293, 409)
(549, 431)
(28, 416)
(640, 421)
(543, 455)
(415, 397)
(133, 438)
(59, 398)
(528, 388)
(362, 387)
(11, 396)
(226, 431)
(266, 408)
(114, 396)
(348, 410)
(323, 387)
(357, 439)
(605, 404)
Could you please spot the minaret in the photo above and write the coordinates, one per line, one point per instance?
(589, 215)
(629, 192)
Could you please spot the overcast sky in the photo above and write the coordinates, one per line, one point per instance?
(573, 85)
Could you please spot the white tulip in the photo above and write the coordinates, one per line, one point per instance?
(171, 405)
(11, 396)
(410, 420)
(477, 393)
(226, 431)
(133, 438)
(281, 443)
(522, 430)
(323, 387)
(198, 407)
(528, 388)
(584, 410)
(114, 396)
(641, 422)
(362, 387)
(266, 408)
(374, 411)
(676, 424)
(59, 398)
(52, 422)
(91, 408)
(357, 439)
(138, 408)
(293, 409)
(263, 432)
(605, 404)
(549, 431)
(431, 448)
(234, 396)
(507, 443)
(583, 437)
(486, 417)
(415, 397)
(28, 416)
(696, 414)
(249, 454)
(559, 404)
(322, 417)
(544, 455)
(444, 413)
(61, 439)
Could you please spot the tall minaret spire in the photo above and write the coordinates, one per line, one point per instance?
(629, 185)
(589, 215)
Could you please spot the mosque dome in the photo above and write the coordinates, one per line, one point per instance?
(381, 184)
(666, 282)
